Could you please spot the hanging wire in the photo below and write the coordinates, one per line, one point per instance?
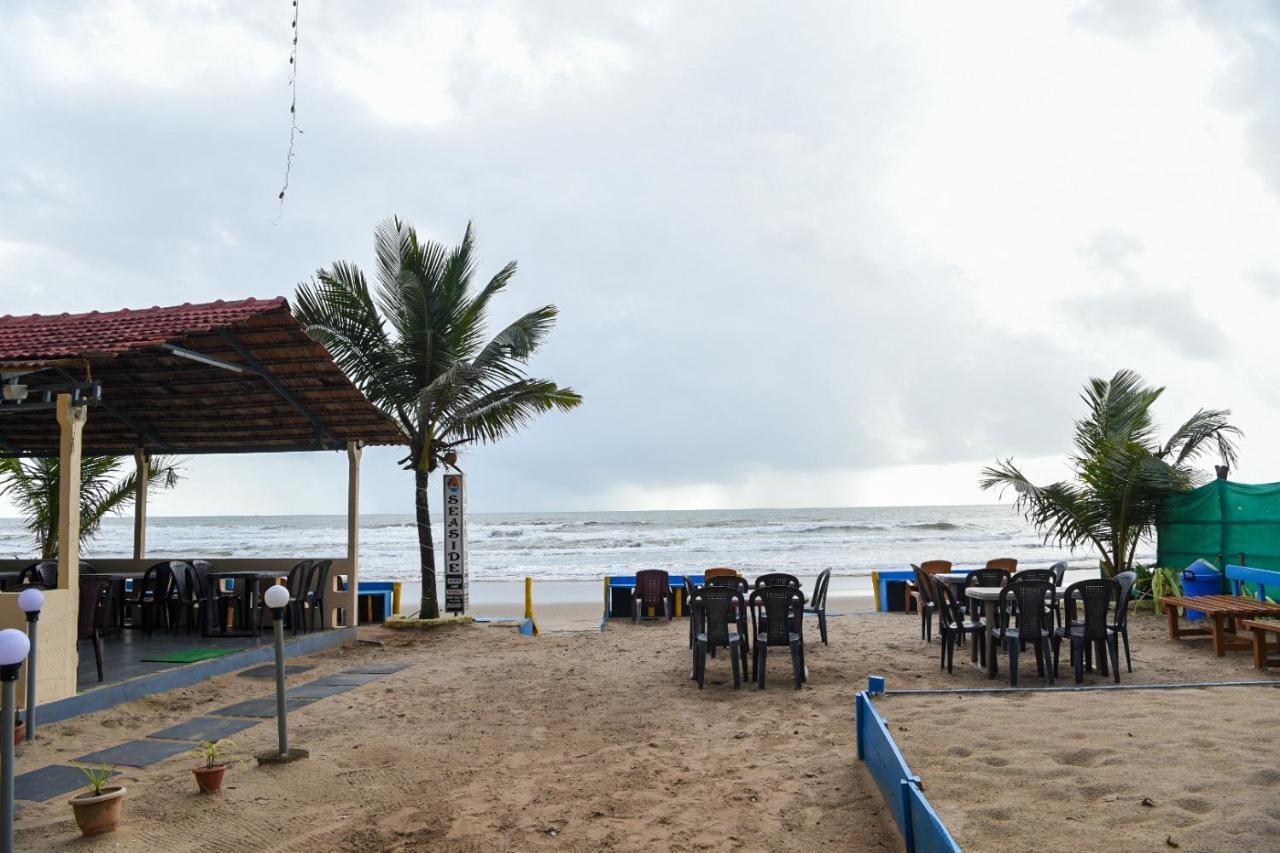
(294, 130)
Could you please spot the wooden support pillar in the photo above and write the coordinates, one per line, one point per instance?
(71, 420)
(354, 451)
(140, 504)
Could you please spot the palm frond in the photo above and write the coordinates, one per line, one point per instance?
(1206, 427)
(501, 412)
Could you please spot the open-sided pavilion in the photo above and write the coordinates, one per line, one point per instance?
(221, 377)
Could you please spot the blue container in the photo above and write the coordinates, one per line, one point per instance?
(1201, 578)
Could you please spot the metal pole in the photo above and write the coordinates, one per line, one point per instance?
(277, 617)
(32, 620)
(9, 674)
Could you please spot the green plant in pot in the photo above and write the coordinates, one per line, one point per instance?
(216, 756)
(99, 809)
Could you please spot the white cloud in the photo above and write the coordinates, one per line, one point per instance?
(880, 243)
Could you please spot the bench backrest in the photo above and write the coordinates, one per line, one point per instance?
(1261, 578)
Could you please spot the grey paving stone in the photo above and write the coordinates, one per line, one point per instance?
(317, 691)
(268, 670)
(347, 679)
(377, 668)
(136, 753)
(49, 782)
(264, 707)
(204, 728)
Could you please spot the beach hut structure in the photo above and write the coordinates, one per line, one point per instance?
(220, 377)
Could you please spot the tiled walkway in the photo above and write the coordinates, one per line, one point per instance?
(57, 779)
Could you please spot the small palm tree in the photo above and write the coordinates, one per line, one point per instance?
(416, 345)
(1122, 472)
(32, 484)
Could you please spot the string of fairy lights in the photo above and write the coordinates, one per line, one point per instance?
(294, 130)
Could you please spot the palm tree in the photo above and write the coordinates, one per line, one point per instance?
(416, 345)
(1122, 472)
(32, 484)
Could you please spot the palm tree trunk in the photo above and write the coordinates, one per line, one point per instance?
(430, 606)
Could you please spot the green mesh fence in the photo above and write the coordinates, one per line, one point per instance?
(1222, 522)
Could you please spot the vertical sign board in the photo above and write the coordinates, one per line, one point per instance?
(455, 543)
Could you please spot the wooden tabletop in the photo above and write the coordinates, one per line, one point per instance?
(1233, 605)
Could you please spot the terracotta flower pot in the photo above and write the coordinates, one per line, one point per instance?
(96, 815)
(209, 778)
(19, 732)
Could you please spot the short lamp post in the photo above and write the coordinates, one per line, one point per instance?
(31, 601)
(277, 599)
(13, 649)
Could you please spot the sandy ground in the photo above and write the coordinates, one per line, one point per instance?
(587, 741)
(1194, 770)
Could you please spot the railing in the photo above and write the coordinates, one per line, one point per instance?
(921, 828)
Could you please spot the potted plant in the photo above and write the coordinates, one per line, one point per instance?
(217, 756)
(98, 810)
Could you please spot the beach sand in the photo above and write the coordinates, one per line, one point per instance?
(1149, 770)
(587, 741)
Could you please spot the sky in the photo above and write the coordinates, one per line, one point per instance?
(805, 254)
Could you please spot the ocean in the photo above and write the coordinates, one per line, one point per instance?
(505, 547)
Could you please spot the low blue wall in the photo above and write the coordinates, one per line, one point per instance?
(919, 824)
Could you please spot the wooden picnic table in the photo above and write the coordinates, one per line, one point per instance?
(1262, 657)
(1224, 611)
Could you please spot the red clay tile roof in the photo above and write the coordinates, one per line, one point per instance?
(285, 391)
(45, 336)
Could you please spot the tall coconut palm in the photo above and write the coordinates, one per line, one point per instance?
(32, 484)
(1122, 471)
(416, 344)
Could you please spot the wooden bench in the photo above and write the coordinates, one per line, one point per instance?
(1261, 656)
(1224, 611)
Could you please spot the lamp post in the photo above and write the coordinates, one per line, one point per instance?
(30, 601)
(13, 648)
(277, 599)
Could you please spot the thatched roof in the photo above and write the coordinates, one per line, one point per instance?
(265, 384)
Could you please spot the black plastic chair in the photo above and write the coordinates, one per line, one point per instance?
(925, 602)
(818, 603)
(150, 595)
(952, 626)
(1126, 581)
(777, 615)
(43, 574)
(313, 596)
(296, 583)
(730, 582)
(653, 589)
(1026, 601)
(984, 577)
(778, 579)
(1059, 570)
(720, 621)
(1095, 597)
(95, 595)
(689, 589)
(184, 596)
(214, 600)
(1045, 575)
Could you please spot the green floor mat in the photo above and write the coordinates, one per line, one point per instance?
(190, 656)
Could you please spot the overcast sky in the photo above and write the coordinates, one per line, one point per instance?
(805, 253)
